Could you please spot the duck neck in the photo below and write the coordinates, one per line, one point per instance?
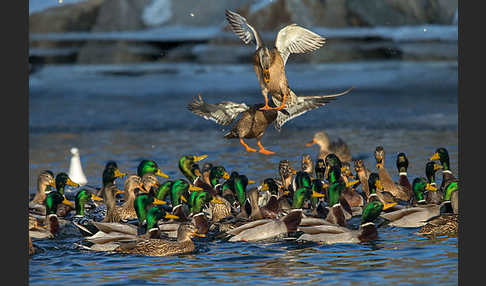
(451, 187)
(185, 167)
(334, 193)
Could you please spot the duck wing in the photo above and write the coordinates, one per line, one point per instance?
(245, 31)
(301, 104)
(294, 39)
(222, 113)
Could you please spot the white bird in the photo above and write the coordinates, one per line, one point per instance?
(76, 173)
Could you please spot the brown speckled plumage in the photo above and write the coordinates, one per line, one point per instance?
(388, 184)
(442, 225)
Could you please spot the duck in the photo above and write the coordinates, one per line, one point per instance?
(219, 207)
(320, 169)
(339, 147)
(109, 175)
(181, 191)
(363, 174)
(416, 216)
(403, 182)
(446, 224)
(378, 194)
(149, 167)
(75, 169)
(432, 195)
(45, 183)
(442, 155)
(307, 165)
(163, 247)
(81, 218)
(269, 63)
(264, 229)
(397, 191)
(331, 234)
(252, 121)
(51, 221)
(186, 164)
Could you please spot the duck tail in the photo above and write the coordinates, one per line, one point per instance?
(368, 232)
(292, 220)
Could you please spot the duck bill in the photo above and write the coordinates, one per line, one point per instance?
(159, 202)
(286, 192)
(264, 187)
(52, 184)
(171, 216)
(293, 171)
(437, 167)
(226, 176)
(378, 185)
(119, 174)
(251, 182)
(327, 171)
(317, 195)
(388, 205)
(194, 188)
(96, 198)
(183, 199)
(352, 183)
(199, 158)
(311, 143)
(119, 192)
(198, 234)
(71, 183)
(434, 157)
(216, 201)
(161, 174)
(430, 187)
(69, 203)
(266, 75)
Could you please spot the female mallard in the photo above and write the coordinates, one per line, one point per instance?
(442, 155)
(363, 175)
(162, 247)
(330, 234)
(306, 165)
(339, 147)
(446, 224)
(45, 181)
(398, 191)
(269, 64)
(253, 122)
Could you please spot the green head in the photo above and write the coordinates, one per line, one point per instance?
(430, 168)
(442, 155)
(418, 187)
(374, 183)
(333, 160)
(164, 190)
(186, 166)
(142, 203)
(239, 187)
(302, 194)
(82, 197)
(53, 199)
(302, 179)
(270, 185)
(62, 179)
(155, 214)
(179, 191)
(149, 167)
(198, 200)
(402, 162)
(110, 173)
(320, 169)
(217, 173)
(229, 184)
(450, 188)
(372, 211)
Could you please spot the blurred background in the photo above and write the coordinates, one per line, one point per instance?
(113, 77)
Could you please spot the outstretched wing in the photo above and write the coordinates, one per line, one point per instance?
(245, 31)
(222, 113)
(303, 104)
(294, 39)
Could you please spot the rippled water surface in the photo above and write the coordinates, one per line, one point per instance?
(113, 122)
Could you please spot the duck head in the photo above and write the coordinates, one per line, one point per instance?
(186, 231)
(239, 186)
(186, 166)
(149, 167)
(143, 202)
(265, 58)
(45, 181)
(419, 186)
(430, 168)
(84, 197)
(380, 156)
(150, 181)
(270, 185)
(374, 184)
(156, 213)
(302, 194)
(306, 163)
(331, 161)
(62, 179)
(320, 169)
(179, 191)
(111, 172)
(402, 163)
(321, 139)
(217, 173)
(442, 155)
(199, 199)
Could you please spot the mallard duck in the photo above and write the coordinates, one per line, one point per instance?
(253, 122)
(263, 229)
(219, 207)
(75, 169)
(339, 147)
(330, 234)
(181, 192)
(386, 181)
(109, 175)
(307, 165)
(446, 224)
(269, 64)
(150, 181)
(363, 173)
(442, 155)
(416, 216)
(81, 219)
(186, 164)
(352, 198)
(320, 169)
(169, 229)
(402, 166)
(49, 225)
(377, 193)
(432, 194)
(149, 167)
(45, 181)
(161, 247)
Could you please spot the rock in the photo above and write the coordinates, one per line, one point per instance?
(78, 17)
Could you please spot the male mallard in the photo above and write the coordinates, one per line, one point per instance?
(432, 195)
(339, 147)
(186, 164)
(330, 234)
(402, 166)
(267, 228)
(320, 169)
(82, 220)
(253, 122)
(180, 192)
(442, 155)
(219, 207)
(109, 175)
(162, 247)
(269, 64)
(149, 167)
(398, 191)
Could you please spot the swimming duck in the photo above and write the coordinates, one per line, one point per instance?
(253, 122)
(169, 229)
(263, 229)
(402, 166)
(442, 155)
(149, 181)
(446, 224)
(149, 167)
(377, 193)
(432, 194)
(81, 219)
(352, 198)
(386, 181)
(186, 164)
(219, 207)
(109, 175)
(182, 192)
(330, 234)
(52, 202)
(306, 165)
(363, 173)
(320, 169)
(75, 169)
(269, 64)
(45, 181)
(339, 147)
(162, 247)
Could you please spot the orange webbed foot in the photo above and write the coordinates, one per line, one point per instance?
(266, 152)
(266, 107)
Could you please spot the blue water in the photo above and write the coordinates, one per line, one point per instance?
(128, 118)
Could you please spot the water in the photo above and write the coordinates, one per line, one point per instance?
(138, 114)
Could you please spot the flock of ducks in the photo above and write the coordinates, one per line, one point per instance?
(327, 201)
